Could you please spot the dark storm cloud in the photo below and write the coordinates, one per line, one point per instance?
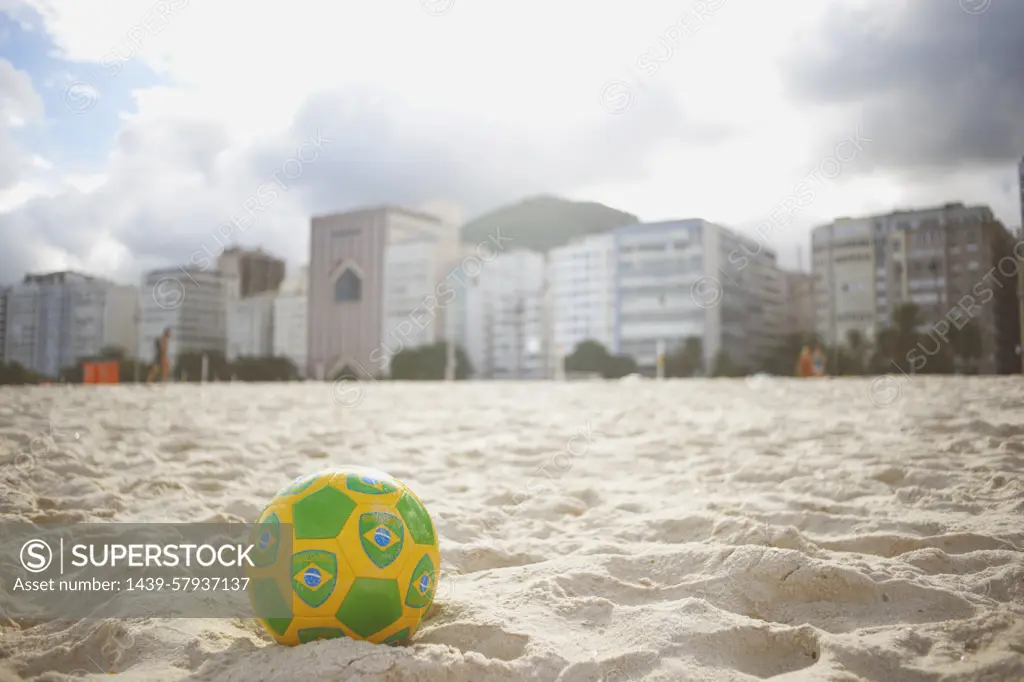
(936, 87)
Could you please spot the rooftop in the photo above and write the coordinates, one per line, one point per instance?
(383, 208)
(56, 277)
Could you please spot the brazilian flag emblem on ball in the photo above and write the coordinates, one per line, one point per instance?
(363, 559)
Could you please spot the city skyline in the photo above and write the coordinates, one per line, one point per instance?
(802, 262)
(386, 279)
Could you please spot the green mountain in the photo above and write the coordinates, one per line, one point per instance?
(545, 222)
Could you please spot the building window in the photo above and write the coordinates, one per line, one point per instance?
(348, 287)
(973, 265)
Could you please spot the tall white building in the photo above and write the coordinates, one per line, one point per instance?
(657, 266)
(690, 279)
(581, 278)
(53, 320)
(251, 326)
(844, 279)
(505, 330)
(414, 315)
(291, 318)
(766, 294)
(192, 302)
(462, 275)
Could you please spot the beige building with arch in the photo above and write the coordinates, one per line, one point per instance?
(372, 273)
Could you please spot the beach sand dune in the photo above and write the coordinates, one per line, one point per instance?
(618, 532)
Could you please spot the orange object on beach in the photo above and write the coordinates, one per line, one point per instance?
(805, 365)
(101, 372)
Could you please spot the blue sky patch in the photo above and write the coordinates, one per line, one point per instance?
(82, 100)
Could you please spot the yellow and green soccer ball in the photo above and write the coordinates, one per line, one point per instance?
(364, 559)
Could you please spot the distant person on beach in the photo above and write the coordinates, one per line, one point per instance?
(805, 364)
(819, 361)
(160, 361)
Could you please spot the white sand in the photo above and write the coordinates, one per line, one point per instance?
(708, 530)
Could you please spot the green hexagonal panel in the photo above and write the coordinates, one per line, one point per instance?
(371, 605)
(269, 605)
(321, 514)
(417, 520)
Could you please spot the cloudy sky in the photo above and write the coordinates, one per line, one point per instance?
(133, 133)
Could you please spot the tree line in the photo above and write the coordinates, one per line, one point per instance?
(900, 346)
(188, 367)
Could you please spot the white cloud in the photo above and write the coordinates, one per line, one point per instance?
(19, 105)
(484, 103)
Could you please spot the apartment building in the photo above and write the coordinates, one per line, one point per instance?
(764, 293)
(250, 326)
(352, 305)
(843, 265)
(657, 266)
(581, 277)
(462, 274)
(291, 318)
(55, 319)
(866, 268)
(690, 278)
(254, 270)
(192, 302)
(506, 336)
(415, 314)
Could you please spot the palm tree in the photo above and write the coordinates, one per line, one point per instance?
(967, 346)
(686, 360)
(896, 342)
(973, 347)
